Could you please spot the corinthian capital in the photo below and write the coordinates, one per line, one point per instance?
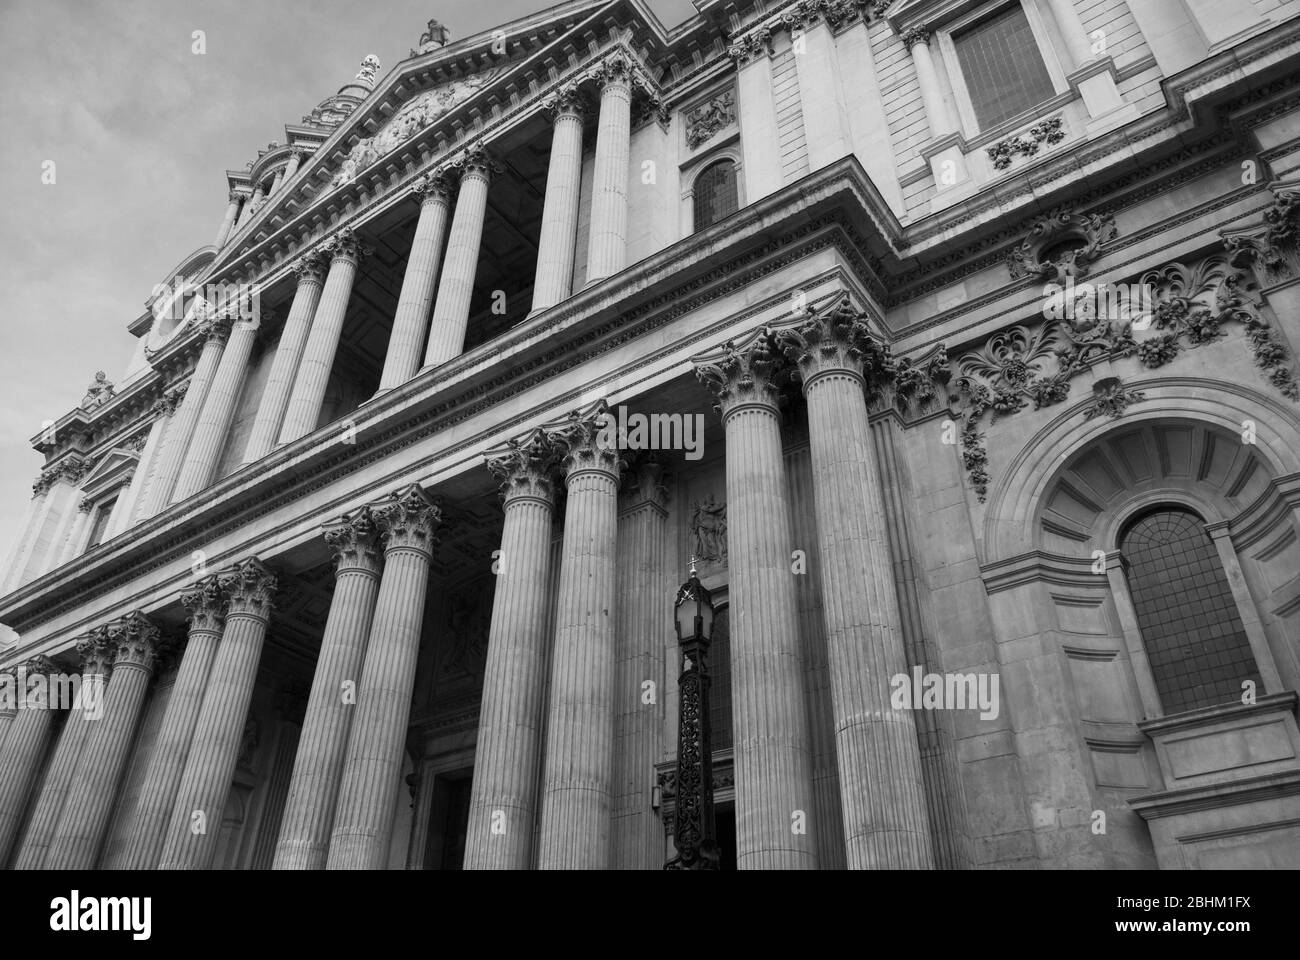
(355, 541)
(567, 101)
(525, 467)
(345, 245)
(586, 441)
(135, 641)
(614, 69)
(915, 35)
(96, 651)
(475, 161)
(250, 588)
(214, 327)
(432, 188)
(206, 604)
(310, 268)
(746, 372)
(755, 44)
(409, 519)
(835, 339)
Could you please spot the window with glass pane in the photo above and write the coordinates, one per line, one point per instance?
(1193, 635)
(715, 193)
(1003, 68)
(100, 524)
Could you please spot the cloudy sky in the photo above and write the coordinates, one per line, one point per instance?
(140, 130)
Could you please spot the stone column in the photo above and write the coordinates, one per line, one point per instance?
(373, 765)
(643, 610)
(253, 205)
(882, 795)
(757, 115)
(177, 442)
(73, 543)
(275, 182)
(456, 286)
(22, 547)
(295, 161)
(20, 760)
(607, 244)
(228, 224)
(503, 800)
(579, 769)
(213, 427)
(1246, 609)
(345, 251)
(96, 664)
(8, 702)
(142, 848)
(163, 410)
(89, 807)
(555, 249)
(948, 165)
(310, 271)
(774, 791)
(65, 501)
(195, 826)
(314, 788)
(411, 322)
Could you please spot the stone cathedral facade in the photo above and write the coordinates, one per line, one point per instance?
(952, 340)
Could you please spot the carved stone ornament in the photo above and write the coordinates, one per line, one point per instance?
(354, 540)
(435, 35)
(749, 370)
(705, 120)
(1111, 397)
(99, 392)
(582, 442)
(249, 588)
(1054, 232)
(413, 116)
(1036, 362)
(525, 467)
(206, 605)
(1027, 144)
(369, 71)
(135, 639)
(708, 527)
(409, 519)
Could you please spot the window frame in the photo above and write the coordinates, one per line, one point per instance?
(947, 49)
(729, 151)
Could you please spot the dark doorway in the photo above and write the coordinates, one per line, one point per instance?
(448, 820)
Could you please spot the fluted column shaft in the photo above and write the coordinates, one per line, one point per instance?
(8, 706)
(503, 799)
(20, 762)
(72, 543)
(213, 424)
(310, 271)
(97, 663)
(177, 442)
(774, 791)
(323, 340)
(456, 285)
(411, 322)
(228, 224)
(195, 826)
(642, 539)
(555, 249)
(607, 243)
(372, 769)
(579, 770)
(144, 841)
(11, 575)
(91, 796)
(308, 817)
(881, 787)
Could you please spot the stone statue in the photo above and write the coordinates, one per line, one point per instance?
(709, 529)
(369, 71)
(98, 393)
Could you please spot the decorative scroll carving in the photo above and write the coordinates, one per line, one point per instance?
(135, 639)
(749, 370)
(1051, 232)
(409, 519)
(249, 588)
(354, 539)
(1049, 131)
(914, 35)
(704, 121)
(525, 467)
(1035, 363)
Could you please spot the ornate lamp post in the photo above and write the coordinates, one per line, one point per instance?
(693, 835)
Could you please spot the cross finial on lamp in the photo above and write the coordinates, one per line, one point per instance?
(693, 558)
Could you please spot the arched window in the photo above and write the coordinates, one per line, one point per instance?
(1190, 627)
(715, 193)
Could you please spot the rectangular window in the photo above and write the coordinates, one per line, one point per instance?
(102, 513)
(1003, 67)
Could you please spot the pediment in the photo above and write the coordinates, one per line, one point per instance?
(110, 471)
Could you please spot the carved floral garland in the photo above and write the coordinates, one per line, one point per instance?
(1192, 305)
